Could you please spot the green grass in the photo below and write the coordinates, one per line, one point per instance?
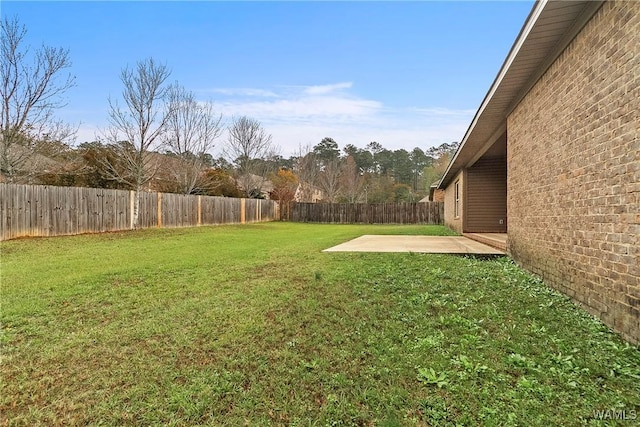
(253, 325)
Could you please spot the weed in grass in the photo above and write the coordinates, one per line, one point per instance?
(468, 367)
(430, 377)
(428, 343)
(255, 325)
(434, 410)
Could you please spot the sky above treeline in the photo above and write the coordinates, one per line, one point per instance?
(404, 74)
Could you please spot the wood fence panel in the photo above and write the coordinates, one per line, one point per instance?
(231, 211)
(6, 203)
(97, 211)
(263, 211)
(268, 211)
(251, 210)
(109, 210)
(20, 216)
(148, 214)
(44, 212)
(208, 206)
(361, 213)
(33, 210)
(4, 210)
(105, 213)
(224, 212)
(54, 207)
(170, 216)
(219, 208)
(179, 210)
(218, 211)
(191, 215)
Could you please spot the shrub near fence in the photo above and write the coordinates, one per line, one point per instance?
(34, 210)
(363, 213)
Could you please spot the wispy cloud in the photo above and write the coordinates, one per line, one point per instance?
(325, 89)
(304, 108)
(303, 115)
(242, 92)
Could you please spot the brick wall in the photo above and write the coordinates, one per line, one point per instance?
(450, 220)
(574, 170)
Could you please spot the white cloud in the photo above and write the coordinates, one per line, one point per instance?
(303, 115)
(395, 130)
(245, 92)
(324, 89)
(304, 108)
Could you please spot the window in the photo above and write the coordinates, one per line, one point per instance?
(456, 206)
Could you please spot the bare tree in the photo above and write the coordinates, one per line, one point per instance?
(248, 146)
(351, 180)
(307, 168)
(31, 88)
(136, 129)
(192, 128)
(329, 180)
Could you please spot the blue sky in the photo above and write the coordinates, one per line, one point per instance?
(404, 74)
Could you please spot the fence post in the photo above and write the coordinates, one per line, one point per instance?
(34, 210)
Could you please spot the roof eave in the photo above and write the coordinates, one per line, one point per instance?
(496, 122)
(524, 32)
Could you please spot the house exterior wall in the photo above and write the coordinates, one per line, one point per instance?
(486, 196)
(450, 219)
(574, 170)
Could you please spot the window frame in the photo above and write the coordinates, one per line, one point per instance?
(456, 205)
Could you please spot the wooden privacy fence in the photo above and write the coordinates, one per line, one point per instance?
(35, 210)
(363, 213)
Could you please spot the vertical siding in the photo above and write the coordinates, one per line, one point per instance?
(486, 197)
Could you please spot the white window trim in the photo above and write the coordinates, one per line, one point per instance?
(456, 195)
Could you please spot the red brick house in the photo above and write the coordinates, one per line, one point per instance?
(552, 156)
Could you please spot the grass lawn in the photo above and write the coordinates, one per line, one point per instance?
(253, 325)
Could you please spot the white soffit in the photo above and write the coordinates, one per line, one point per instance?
(550, 27)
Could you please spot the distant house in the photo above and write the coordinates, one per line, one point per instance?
(435, 194)
(552, 156)
(29, 166)
(308, 193)
(255, 186)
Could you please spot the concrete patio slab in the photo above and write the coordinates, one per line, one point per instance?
(419, 244)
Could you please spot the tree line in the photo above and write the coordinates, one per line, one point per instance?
(160, 137)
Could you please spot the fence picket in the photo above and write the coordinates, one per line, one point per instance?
(362, 213)
(35, 210)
